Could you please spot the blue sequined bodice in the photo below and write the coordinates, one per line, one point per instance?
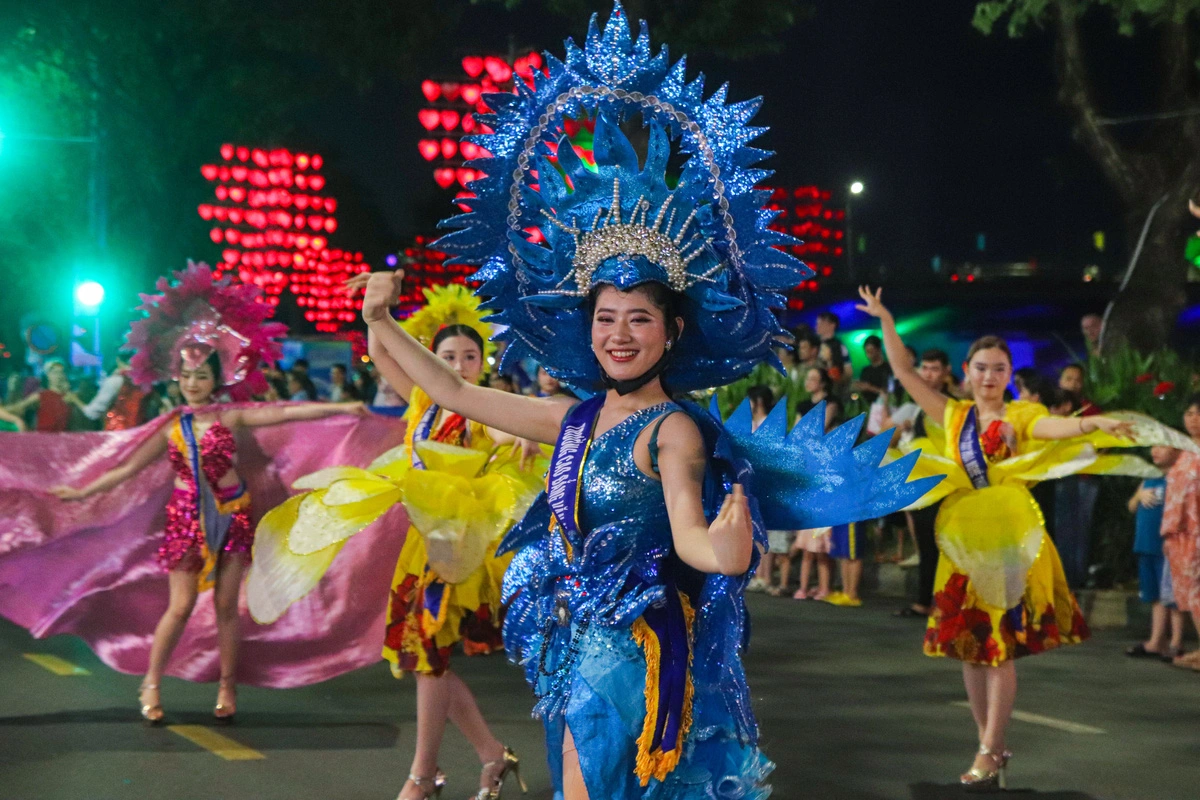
(615, 490)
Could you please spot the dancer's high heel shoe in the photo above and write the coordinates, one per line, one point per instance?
(977, 779)
(507, 763)
(428, 787)
(224, 711)
(152, 714)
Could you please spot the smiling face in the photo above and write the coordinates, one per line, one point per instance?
(990, 371)
(197, 385)
(463, 355)
(629, 332)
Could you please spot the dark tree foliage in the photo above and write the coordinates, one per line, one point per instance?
(1151, 161)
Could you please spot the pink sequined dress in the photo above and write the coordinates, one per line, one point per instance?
(183, 547)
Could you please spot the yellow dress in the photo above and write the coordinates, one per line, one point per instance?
(426, 615)
(1000, 591)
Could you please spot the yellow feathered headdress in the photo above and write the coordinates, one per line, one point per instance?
(451, 304)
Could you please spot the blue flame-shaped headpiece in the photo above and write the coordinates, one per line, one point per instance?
(706, 238)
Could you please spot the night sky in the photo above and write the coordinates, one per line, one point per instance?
(954, 133)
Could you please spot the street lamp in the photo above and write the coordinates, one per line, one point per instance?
(856, 188)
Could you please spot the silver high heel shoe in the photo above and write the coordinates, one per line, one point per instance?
(988, 780)
(152, 714)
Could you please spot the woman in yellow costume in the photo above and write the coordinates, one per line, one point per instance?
(1000, 592)
(440, 595)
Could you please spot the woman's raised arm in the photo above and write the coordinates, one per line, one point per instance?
(533, 418)
(931, 401)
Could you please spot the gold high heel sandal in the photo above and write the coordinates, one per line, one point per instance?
(152, 714)
(224, 711)
(435, 784)
(508, 763)
(987, 780)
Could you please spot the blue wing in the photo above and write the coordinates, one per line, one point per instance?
(812, 479)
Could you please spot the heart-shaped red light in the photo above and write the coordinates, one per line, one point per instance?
(239, 173)
(206, 211)
(317, 162)
(237, 194)
(431, 90)
(230, 256)
(464, 176)
(330, 204)
(428, 148)
(242, 153)
(316, 182)
(226, 151)
(301, 201)
(449, 119)
(449, 148)
(468, 150)
(472, 65)
(315, 222)
(471, 93)
(259, 156)
(429, 118)
(330, 224)
(451, 91)
(235, 216)
(209, 171)
(468, 122)
(443, 177)
(497, 68)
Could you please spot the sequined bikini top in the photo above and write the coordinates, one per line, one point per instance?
(217, 451)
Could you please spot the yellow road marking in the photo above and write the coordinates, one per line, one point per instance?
(1049, 722)
(215, 743)
(55, 664)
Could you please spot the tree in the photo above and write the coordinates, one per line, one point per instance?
(1153, 165)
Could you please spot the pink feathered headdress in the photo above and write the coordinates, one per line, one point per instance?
(196, 316)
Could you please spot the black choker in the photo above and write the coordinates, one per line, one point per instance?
(626, 387)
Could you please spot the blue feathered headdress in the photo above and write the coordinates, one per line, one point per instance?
(706, 237)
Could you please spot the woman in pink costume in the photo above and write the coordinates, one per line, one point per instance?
(210, 337)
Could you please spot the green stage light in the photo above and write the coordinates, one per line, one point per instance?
(89, 295)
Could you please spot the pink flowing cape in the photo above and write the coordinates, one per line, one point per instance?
(88, 568)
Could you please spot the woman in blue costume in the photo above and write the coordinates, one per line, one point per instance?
(625, 591)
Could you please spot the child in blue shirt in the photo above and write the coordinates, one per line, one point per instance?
(1154, 581)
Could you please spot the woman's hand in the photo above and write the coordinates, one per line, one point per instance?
(733, 520)
(1121, 429)
(68, 493)
(356, 407)
(872, 304)
(381, 293)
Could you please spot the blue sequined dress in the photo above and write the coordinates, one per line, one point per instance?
(578, 623)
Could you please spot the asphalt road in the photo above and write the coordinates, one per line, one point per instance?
(849, 709)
